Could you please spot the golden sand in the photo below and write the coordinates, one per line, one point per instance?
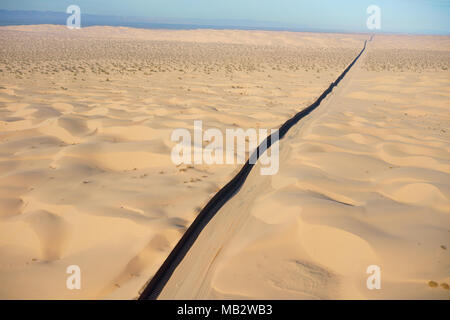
(86, 176)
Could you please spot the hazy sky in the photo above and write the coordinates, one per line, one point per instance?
(423, 16)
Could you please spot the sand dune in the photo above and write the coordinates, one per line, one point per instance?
(362, 182)
(253, 37)
(86, 177)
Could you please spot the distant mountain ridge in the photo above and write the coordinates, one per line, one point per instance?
(21, 17)
(25, 17)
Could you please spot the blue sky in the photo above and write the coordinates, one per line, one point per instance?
(411, 16)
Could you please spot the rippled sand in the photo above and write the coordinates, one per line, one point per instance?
(365, 180)
(86, 117)
(86, 176)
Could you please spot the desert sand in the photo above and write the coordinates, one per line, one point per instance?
(86, 120)
(86, 176)
(363, 181)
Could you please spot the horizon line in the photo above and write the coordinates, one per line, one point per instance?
(155, 23)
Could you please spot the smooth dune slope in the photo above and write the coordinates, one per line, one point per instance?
(365, 180)
(86, 117)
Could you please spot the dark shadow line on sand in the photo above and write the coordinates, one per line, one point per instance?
(162, 276)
